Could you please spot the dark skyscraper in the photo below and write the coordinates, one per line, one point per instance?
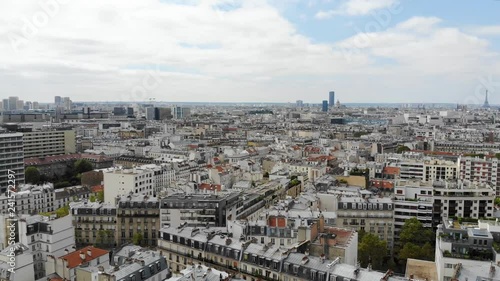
(57, 100)
(331, 99)
(325, 106)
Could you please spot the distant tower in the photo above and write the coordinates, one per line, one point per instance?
(325, 106)
(331, 99)
(486, 103)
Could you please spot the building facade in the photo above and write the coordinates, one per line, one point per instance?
(94, 224)
(196, 209)
(137, 220)
(47, 143)
(11, 159)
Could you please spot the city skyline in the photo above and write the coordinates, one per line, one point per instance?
(244, 51)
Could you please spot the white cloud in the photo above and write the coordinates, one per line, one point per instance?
(438, 50)
(246, 51)
(419, 24)
(486, 30)
(357, 8)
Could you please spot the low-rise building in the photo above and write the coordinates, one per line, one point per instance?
(66, 266)
(196, 209)
(249, 260)
(130, 263)
(465, 251)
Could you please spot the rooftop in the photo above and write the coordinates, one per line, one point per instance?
(82, 256)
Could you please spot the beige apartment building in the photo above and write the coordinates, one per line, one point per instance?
(137, 216)
(46, 143)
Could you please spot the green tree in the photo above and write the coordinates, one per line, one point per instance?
(32, 175)
(413, 251)
(137, 239)
(410, 251)
(92, 198)
(497, 201)
(413, 231)
(402, 148)
(416, 242)
(372, 249)
(359, 134)
(82, 166)
(361, 235)
(100, 196)
(63, 211)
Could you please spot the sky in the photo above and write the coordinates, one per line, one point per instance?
(367, 51)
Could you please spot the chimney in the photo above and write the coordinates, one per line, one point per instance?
(66, 251)
(82, 255)
(89, 252)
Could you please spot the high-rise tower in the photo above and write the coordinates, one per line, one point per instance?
(486, 103)
(331, 99)
(324, 106)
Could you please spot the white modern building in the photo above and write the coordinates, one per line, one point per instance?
(412, 199)
(463, 199)
(119, 182)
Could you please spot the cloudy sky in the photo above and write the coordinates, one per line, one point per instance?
(251, 50)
